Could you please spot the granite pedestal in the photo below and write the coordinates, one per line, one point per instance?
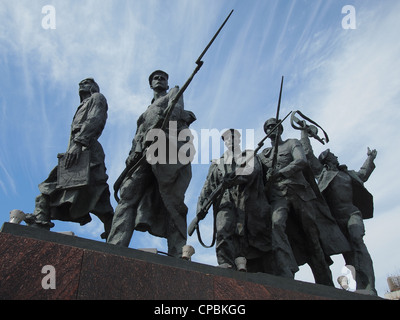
(87, 269)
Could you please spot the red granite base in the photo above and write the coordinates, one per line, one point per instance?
(21, 263)
(88, 269)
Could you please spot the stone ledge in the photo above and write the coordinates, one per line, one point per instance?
(88, 269)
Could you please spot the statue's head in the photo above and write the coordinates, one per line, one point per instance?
(328, 158)
(158, 80)
(270, 124)
(230, 133)
(88, 86)
(231, 138)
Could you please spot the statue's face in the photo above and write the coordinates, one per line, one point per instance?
(331, 159)
(85, 86)
(275, 132)
(232, 141)
(159, 82)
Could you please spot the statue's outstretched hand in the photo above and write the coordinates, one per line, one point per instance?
(372, 153)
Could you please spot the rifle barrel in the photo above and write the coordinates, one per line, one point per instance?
(189, 80)
(198, 61)
(279, 101)
(274, 160)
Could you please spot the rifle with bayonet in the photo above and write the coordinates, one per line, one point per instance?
(131, 168)
(219, 191)
(275, 158)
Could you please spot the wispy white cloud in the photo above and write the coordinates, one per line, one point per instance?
(8, 185)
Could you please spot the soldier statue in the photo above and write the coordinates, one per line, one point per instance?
(152, 196)
(241, 210)
(349, 202)
(78, 185)
(300, 227)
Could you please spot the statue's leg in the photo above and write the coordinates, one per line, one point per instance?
(226, 248)
(175, 241)
(105, 212)
(123, 222)
(317, 260)
(41, 217)
(284, 262)
(360, 257)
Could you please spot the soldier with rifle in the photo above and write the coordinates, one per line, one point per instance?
(299, 223)
(152, 197)
(152, 194)
(290, 193)
(241, 210)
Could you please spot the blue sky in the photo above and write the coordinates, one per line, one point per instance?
(345, 79)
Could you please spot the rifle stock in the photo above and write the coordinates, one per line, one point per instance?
(193, 226)
(126, 173)
(118, 182)
(204, 209)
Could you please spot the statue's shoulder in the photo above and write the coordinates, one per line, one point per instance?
(291, 144)
(292, 141)
(98, 97)
(173, 91)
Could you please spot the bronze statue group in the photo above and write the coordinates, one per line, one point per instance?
(273, 210)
